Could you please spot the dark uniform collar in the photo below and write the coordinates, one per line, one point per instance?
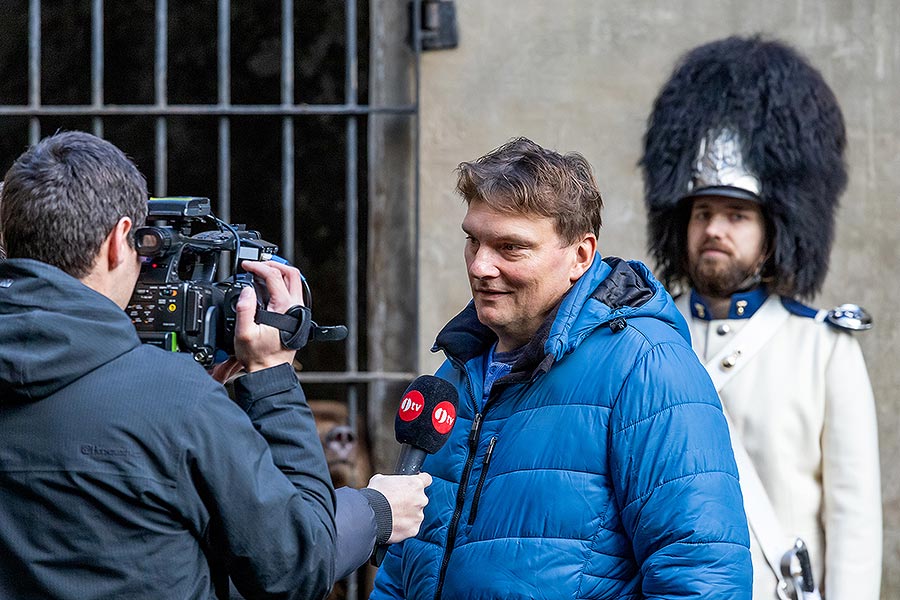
(743, 304)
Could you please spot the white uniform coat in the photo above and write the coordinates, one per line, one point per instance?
(803, 408)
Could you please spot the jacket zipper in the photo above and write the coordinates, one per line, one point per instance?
(484, 469)
(474, 434)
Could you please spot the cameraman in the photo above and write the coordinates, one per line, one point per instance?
(126, 471)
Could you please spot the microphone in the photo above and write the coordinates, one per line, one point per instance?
(426, 415)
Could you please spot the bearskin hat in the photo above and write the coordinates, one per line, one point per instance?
(791, 135)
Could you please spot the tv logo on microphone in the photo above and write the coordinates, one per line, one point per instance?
(411, 405)
(443, 416)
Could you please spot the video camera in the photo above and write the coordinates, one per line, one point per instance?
(177, 303)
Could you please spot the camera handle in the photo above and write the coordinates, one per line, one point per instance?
(297, 327)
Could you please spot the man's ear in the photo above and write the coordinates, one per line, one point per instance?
(584, 256)
(119, 247)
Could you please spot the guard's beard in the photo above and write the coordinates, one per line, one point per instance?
(724, 282)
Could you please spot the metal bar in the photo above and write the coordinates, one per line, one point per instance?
(358, 377)
(287, 130)
(161, 154)
(417, 49)
(34, 68)
(351, 66)
(224, 84)
(160, 71)
(352, 190)
(352, 238)
(205, 110)
(97, 62)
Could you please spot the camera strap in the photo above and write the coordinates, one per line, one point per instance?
(294, 325)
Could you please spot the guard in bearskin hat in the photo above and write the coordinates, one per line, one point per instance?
(743, 166)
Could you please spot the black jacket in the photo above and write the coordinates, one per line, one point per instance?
(127, 472)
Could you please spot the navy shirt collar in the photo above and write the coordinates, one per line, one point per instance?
(743, 304)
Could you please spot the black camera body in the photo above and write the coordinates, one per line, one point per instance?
(177, 303)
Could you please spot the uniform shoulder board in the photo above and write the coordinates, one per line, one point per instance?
(798, 308)
(850, 317)
(847, 317)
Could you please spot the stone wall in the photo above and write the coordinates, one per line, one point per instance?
(582, 74)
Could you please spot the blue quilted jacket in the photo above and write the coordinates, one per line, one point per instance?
(600, 467)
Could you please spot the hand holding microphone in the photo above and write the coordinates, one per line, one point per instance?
(424, 420)
(406, 495)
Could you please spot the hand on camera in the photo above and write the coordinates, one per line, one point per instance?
(406, 495)
(258, 346)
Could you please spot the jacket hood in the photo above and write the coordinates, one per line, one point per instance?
(53, 330)
(611, 290)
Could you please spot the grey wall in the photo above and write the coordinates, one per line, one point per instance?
(582, 74)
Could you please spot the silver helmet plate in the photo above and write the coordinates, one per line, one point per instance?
(720, 164)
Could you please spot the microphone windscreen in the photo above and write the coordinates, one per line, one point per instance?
(427, 413)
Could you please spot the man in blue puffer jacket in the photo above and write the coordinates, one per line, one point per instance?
(590, 458)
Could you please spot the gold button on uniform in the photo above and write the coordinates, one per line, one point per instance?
(700, 310)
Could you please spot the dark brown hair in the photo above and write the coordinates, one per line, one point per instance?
(63, 196)
(522, 177)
